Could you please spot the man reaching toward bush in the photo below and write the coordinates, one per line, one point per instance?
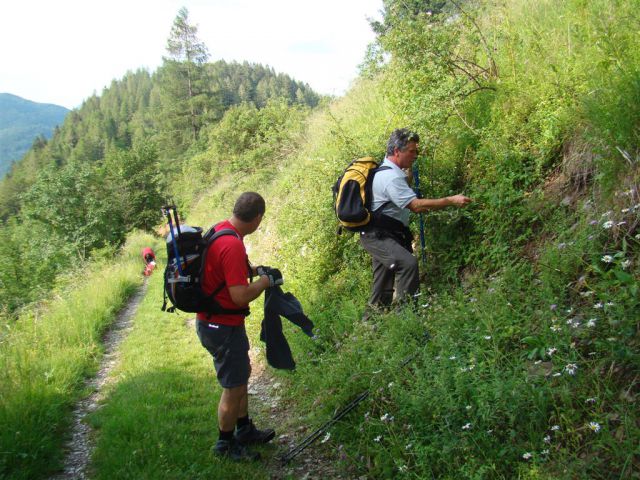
(225, 277)
(389, 239)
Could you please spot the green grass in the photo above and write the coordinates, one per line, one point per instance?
(158, 418)
(47, 353)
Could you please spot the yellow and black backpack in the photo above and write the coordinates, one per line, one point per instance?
(352, 194)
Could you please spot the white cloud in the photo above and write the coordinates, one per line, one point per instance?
(61, 52)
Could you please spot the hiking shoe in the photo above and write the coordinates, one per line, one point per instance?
(234, 451)
(250, 434)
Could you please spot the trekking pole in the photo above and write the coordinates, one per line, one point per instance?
(298, 449)
(416, 179)
(167, 211)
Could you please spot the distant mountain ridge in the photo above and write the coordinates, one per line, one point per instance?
(21, 122)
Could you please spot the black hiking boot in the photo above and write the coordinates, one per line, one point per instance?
(234, 451)
(249, 434)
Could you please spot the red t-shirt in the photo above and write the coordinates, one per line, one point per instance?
(226, 262)
(148, 251)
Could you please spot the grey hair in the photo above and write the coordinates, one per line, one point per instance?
(400, 138)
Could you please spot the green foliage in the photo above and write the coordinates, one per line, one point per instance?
(45, 355)
(164, 401)
(136, 187)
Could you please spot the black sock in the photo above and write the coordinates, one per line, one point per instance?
(225, 435)
(242, 421)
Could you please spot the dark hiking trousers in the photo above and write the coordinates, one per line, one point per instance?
(393, 266)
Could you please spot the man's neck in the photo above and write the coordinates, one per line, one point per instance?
(243, 228)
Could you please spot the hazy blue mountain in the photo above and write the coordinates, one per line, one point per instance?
(21, 122)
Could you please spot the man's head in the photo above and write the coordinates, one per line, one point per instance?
(249, 210)
(402, 147)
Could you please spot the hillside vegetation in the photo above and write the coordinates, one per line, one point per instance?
(530, 297)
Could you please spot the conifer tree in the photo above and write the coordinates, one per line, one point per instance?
(188, 101)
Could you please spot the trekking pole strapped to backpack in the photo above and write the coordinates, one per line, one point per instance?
(166, 210)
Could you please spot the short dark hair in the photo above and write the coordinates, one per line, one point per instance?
(248, 206)
(400, 138)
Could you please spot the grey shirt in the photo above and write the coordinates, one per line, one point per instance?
(390, 187)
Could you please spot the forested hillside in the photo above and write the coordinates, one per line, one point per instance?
(21, 123)
(116, 159)
(524, 343)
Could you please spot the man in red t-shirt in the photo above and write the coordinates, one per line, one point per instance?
(226, 272)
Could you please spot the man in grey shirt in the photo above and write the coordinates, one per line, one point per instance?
(388, 240)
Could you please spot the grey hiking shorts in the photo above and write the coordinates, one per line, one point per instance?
(229, 347)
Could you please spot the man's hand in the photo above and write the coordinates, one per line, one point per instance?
(274, 275)
(459, 200)
(262, 270)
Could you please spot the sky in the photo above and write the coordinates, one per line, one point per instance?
(63, 51)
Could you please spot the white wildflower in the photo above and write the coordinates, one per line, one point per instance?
(391, 384)
(378, 438)
(571, 368)
(591, 400)
(592, 322)
(326, 437)
(468, 407)
(408, 446)
(466, 426)
(625, 210)
(595, 426)
(487, 337)
(527, 455)
(403, 468)
(607, 259)
(598, 305)
(555, 428)
(625, 264)
(386, 418)
(555, 328)
(452, 357)
(607, 225)
(610, 304)
(547, 439)
(545, 451)
(551, 351)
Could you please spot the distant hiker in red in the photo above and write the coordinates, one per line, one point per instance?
(149, 259)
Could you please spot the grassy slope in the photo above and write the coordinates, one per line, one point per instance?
(47, 353)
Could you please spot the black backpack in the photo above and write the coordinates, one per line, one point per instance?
(187, 250)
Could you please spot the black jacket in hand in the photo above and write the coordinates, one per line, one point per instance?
(278, 303)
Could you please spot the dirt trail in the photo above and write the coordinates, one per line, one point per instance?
(81, 444)
(318, 461)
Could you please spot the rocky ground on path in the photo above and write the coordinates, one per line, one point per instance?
(80, 445)
(316, 462)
